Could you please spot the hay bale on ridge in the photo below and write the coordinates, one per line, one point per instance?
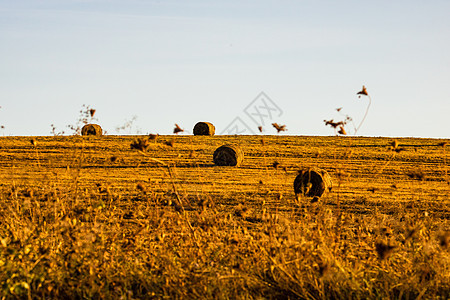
(228, 155)
(312, 182)
(204, 128)
(92, 129)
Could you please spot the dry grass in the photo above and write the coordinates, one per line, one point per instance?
(167, 223)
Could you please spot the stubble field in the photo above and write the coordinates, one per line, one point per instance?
(90, 217)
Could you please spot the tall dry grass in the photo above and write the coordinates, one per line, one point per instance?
(77, 224)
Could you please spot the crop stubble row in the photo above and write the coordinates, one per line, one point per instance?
(361, 168)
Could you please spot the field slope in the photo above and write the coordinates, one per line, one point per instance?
(90, 217)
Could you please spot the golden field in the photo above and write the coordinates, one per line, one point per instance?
(90, 217)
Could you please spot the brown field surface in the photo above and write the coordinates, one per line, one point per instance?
(90, 217)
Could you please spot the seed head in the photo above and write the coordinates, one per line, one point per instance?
(334, 124)
(362, 92)
(279, 127)
(177, 129)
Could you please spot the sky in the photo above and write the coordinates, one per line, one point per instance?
(145, 65)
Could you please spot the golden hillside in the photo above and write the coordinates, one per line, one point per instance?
(92, 217)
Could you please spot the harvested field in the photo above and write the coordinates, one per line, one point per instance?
(94, 218)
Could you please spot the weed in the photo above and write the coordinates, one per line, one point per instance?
(279, 128)
(86, 116)
(363, 92)
(339, 126)
(55, 131)
(177, 129)
(129, 127)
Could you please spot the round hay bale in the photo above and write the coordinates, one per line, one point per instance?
(228, 155)
(312, 182)
(204, 128)
(91, 129)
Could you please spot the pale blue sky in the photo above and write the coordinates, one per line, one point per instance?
(181, 62)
